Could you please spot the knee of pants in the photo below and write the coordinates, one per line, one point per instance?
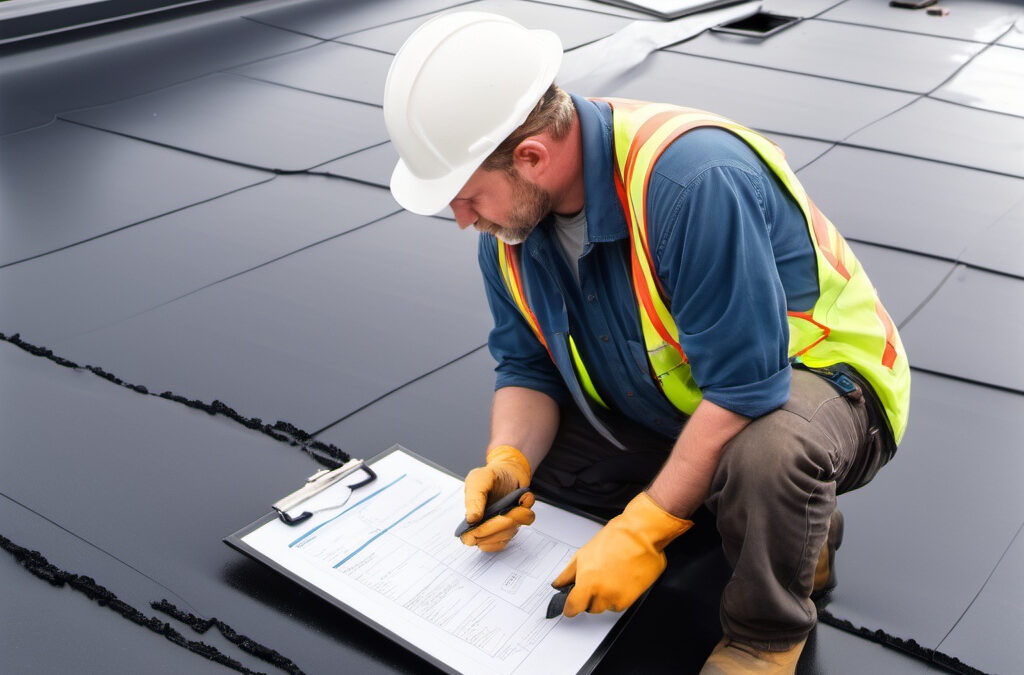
(778, 452)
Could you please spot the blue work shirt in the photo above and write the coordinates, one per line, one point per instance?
(730, 247)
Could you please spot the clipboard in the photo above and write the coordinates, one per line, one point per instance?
(598, 631)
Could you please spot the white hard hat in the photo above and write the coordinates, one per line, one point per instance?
(460, 84)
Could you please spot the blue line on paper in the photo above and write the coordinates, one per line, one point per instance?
(376, 536)
(364, 499)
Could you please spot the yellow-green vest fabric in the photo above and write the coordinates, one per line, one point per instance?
(847, 324)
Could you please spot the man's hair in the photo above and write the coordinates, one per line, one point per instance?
(553, 113)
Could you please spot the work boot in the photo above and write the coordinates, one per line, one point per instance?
(734, 658)
(825, 572)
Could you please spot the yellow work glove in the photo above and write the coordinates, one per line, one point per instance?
(506, 470)
(622, 560)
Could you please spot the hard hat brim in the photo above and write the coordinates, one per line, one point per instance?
(424, 196)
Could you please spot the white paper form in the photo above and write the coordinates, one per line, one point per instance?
(390, 554)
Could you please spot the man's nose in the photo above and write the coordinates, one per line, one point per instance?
(464, 216)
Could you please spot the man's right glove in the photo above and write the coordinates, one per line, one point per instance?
(507, 469)
(622, 560)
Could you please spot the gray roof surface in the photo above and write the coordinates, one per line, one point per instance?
(197, 203)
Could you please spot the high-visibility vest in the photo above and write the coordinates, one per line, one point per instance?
(847, 324)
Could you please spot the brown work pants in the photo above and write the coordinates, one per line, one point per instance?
(772, 495)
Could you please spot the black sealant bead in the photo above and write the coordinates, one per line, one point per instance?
(291, 433)
(34, 562)
(910, 647)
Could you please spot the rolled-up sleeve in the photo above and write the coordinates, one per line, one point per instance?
(521, 359)
(714, 258)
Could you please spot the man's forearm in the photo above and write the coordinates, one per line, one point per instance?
(526, 419)
(683, 483)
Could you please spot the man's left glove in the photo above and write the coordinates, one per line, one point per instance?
(506, 470)
(622, 560)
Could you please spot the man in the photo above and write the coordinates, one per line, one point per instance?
(676, 324)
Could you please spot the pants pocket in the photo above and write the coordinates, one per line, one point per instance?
(808, 393)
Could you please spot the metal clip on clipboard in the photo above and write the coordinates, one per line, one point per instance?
(318, 482)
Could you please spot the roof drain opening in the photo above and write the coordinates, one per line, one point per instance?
(760, 25)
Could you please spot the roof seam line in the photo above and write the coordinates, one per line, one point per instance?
(914, 312)
(288, 30)
(95, 546)
(958, 260)
(396, 389)
(967, 380)
(136, 223)
(347, 154)
(982, 587)
(306, 91)
(901, 30)
(846, 144)
(277, 171)
(795, 72)
(405, 18)
(251, 269)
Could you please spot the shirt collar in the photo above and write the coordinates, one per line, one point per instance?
(605, 220)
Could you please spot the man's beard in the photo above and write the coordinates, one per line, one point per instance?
(530, 205)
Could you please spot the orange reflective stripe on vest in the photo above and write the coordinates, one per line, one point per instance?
(508, 262)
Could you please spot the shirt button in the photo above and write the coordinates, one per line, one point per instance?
(591, 298)
(605, 338)
(629, 394)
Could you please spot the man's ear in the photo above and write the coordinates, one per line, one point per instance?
(532, 158)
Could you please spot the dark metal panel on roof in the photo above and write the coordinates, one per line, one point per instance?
(903, 280)
(373, 165)
(327, 19)
(115, 277)
(573, 26)
(921, 539)
(768, 100)
(158, 485)
(972, 328)
(242, 120)
(39, 83)
(851, 53)
(979, 20)
(261, 327)
(996, 617)
(329, 68)
(446, 415)
(63, 183)
(999, 247)
(312, 337)
(993, 81)
(915, 204)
